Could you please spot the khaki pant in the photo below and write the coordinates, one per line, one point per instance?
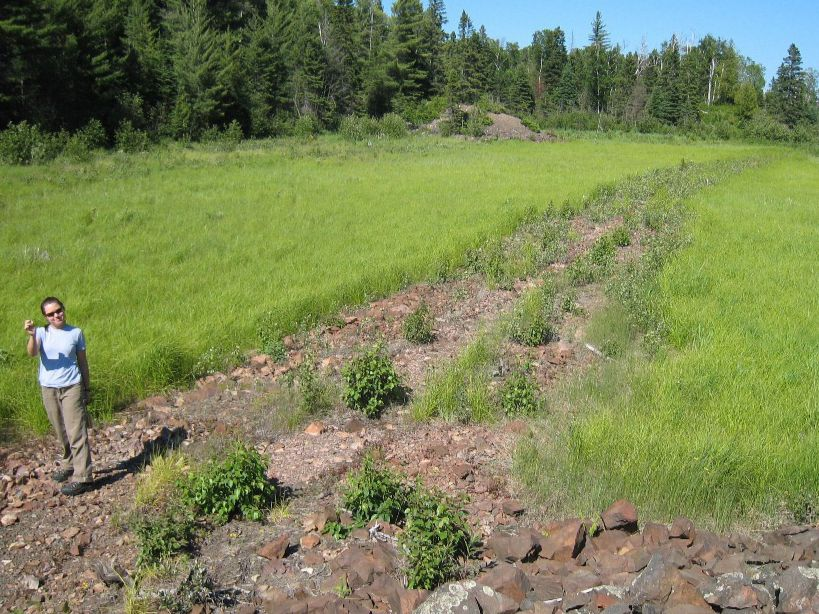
(67, 415)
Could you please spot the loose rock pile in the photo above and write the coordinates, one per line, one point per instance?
(562, 568)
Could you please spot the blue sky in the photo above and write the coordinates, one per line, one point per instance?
(761, 30)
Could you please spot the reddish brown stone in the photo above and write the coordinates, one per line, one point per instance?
(564, 541)
(507, 579)
(655, 534)
(275, 549)
(620, 515)
(310, 541)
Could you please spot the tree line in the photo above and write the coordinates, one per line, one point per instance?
(177, 68)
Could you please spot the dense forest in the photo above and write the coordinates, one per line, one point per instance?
(178, 68)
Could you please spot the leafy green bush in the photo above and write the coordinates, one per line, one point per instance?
(417, 326)
(375, 492)
(370, 382)
(531, 319)
(162, 533)
(519, 394)
(234, 487)
(357, 128)
(25, 143)
(129, 139)
(435, 540)
(393, 126)
(306, 126)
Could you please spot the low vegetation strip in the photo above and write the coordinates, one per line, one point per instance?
(722, 423)
(169, 260)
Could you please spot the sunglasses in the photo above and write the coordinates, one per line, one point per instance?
(54, 313)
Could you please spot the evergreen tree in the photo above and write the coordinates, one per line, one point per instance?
(598, 66)
(666, 97)
(410, 59)
(307, 63)
(199, 75)
(788, 98)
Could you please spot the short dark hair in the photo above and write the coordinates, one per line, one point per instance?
(48, 300)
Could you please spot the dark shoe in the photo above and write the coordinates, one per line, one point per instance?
(61, 475)
(76, 488)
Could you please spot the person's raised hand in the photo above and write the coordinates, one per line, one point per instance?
(28, 326)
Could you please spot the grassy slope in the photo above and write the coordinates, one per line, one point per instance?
(186, 249)
(725, 425)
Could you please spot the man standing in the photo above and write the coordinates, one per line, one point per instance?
(64, 384)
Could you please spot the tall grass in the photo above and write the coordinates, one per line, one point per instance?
(723, 424)
(164, 257)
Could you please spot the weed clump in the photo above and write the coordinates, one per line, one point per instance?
(163, 524)
(417, 327)
(595, 264)
(234, 487)
(519, 394)
(531, 319)
(370, 382)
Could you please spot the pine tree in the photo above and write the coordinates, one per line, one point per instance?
(598, 69)
(666, 97)
(410, 59)
(199, 76)
(788, 97)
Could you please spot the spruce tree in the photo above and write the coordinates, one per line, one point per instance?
(788, 97)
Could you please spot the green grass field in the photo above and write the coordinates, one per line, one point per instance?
(163, 256)
(724, 425)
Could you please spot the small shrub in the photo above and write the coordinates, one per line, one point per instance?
(594, 264)
(18, 141)
(306, 127)
(620, 236)
(370, 382)
(129, 139)
(162, 533)
(316, 395)
(417, 326)
(234, 487)
(196, 589)
(531, 318)
(436, 539)
(375, 492)
(519, 394)
(216, 359)
(270, 331)
(393, 126)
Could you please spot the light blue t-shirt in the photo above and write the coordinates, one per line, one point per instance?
(58, 355)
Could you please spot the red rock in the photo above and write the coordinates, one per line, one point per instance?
(511, 507)
(275, 549)
(655, 534)
(620, 515)
(259, 360)
(310, 541)
(564, 541)
(682, 528)
(507, 579)
(316, 428)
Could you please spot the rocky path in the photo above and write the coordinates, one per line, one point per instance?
(60, 554)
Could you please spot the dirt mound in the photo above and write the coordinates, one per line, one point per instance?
(504, 126)
(510, 127)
